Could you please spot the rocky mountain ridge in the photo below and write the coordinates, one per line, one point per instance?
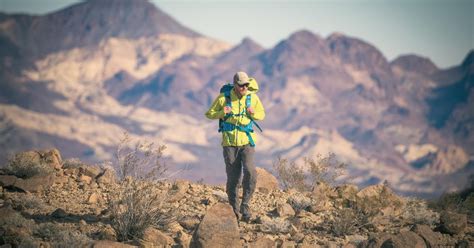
(405, 121)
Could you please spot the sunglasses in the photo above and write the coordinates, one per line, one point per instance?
(243, 85)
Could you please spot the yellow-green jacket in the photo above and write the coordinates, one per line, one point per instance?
(236, 137)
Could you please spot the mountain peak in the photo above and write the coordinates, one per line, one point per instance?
(244, 50)
(304, 36)
(358, 52)
(250, 44)
(469, 60)
(88, 23)
(415, 63)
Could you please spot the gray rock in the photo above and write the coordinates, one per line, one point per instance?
(284, 210)
(153, 237)
(34, 184)
(59, 213)
(7, 180)
(406, 239)
(452, 223)
(266, 182)
(218, 228)
(263, 242)
(432, 239)
(110, 244)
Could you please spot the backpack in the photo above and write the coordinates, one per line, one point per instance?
(226, 126)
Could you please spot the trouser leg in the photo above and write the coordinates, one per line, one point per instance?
(233, 168)
(250, 178)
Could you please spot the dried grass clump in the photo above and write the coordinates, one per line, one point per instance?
(27, 165)
(416, 211)
(304, 177)
(347, 221)
(135, 206)
(72, 163)
(28, 201)
(275, 225)
(58, 236)
(299, 202)
(15, 229)
(141, 160)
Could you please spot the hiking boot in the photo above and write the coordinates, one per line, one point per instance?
(246, 218)
(245, 211)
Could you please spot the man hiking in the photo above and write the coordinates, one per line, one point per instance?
(237, 108)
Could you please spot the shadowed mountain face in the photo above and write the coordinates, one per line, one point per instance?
(95, 69)
(88, 23)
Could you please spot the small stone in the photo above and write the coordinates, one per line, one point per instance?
(85, 179)
(93, 198)
(59, 213)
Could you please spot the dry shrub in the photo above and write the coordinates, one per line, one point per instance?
(26, 165)
(348, 221)
(135, 206)
(58, 236)
(16, 230)
(28, 201)
(275, 226)
(416, 211)
(322, 169)
(290, 175)
(141, 160)
(299, 202)
(72, 163)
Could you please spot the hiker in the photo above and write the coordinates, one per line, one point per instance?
(237, 108)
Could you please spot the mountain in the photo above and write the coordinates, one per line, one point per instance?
(405, 121)
(416, 64)
(87, 24)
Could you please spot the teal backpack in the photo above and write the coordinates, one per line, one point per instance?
(226, 126)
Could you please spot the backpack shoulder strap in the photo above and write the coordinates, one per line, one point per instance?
(228, 100)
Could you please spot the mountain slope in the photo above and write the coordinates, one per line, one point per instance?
(87, 24)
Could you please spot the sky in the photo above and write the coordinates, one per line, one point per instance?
(442, 30)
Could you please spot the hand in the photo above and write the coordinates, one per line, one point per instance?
(250, 110)
(227, 110)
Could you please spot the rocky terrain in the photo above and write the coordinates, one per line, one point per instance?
(79, 77)
(48, 202)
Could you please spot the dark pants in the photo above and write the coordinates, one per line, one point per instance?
(237, 158)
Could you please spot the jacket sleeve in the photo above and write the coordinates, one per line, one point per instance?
(259, 111)
(216, 111)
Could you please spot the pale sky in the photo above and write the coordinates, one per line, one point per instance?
(442, 30)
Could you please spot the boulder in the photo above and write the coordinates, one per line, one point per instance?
(263, 242)
(52, 158)
(218, 228)
(7, 180)
(90, 171)
(452, 223)
(405, 240)
(34, 184)
(284, 210)
(110, 244)
(432, 239)
(107, 177)
(266, 182)
(153, 237)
